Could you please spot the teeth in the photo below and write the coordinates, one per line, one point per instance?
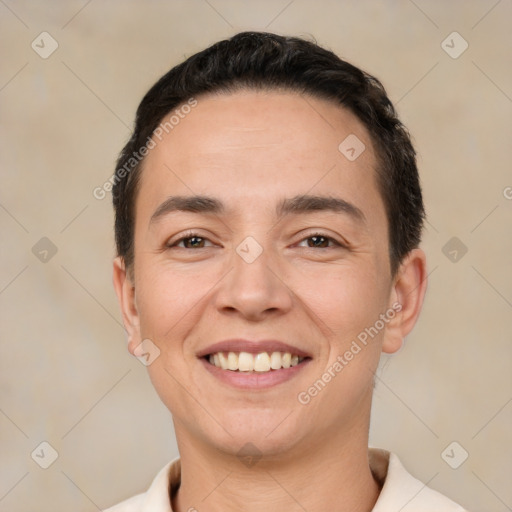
(232, 361)
(262, 362)
(223, 361)
(247, 362)
(275, 360)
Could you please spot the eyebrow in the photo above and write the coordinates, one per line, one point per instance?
(295, 205)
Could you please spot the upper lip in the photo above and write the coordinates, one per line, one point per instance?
(253, 347)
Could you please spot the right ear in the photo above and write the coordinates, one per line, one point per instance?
(125, 290)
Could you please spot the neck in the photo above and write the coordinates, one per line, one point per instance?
(317, 476)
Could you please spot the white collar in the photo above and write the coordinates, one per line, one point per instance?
(400, 490)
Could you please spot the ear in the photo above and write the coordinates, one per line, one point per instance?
(406, 299)
(125, 290)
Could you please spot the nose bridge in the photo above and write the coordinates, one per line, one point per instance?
(253, 286)
(252, 264)
(252, 261)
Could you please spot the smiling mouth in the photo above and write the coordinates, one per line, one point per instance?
(261, 362)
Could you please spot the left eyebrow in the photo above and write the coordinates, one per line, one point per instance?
(289, 206)
(312, 203)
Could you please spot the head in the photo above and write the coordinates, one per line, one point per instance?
(304, 228)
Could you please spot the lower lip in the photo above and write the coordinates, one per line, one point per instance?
(255, 380)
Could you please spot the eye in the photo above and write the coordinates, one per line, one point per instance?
(193, 240)
(320, 241)
(190, 241)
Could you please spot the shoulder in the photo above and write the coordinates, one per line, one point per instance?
(156, 498)
(402, 491)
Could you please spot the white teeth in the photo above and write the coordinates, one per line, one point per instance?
(247, 362)
(262, 362)
(223, 361)
(275, 360)
(232, 361)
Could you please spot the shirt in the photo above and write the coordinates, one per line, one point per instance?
(400, 490)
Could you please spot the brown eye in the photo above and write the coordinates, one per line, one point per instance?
(320, 241)
(191, 241)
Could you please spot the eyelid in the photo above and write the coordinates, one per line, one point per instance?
(188, 234)
(193, 234)
(336, 242)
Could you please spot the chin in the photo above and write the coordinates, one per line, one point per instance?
(270, 433)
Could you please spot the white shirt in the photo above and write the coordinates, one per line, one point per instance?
(400, 492)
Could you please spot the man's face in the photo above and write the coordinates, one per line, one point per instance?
(313, 279)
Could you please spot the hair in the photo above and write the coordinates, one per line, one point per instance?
(266, 61)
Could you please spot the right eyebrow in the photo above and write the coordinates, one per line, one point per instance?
(194, 204)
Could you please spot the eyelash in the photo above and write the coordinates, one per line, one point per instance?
(192, 234)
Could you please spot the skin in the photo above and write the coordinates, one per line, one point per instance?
(250, 150)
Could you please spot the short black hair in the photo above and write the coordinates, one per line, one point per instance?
(262, 60)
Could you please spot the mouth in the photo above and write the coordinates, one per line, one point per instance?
(262, 362)
(253, 365)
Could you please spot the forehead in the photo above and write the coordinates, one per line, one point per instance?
(250, 147)
(224, 124)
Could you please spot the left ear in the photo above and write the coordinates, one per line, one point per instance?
(406, 298)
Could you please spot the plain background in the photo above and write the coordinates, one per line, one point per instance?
(65, 374)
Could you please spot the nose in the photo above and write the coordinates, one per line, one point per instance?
(254, 289)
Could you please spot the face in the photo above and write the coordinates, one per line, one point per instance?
(287, 252)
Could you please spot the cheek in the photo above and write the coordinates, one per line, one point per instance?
(170, 299)
(345, 298)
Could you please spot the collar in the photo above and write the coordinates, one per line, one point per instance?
(400, 490)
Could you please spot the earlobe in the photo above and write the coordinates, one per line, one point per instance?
(407, 299)
(125, 291)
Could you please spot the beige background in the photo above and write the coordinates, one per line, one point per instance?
(65, 375)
